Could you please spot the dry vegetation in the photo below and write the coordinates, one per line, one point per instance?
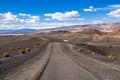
(18, 44)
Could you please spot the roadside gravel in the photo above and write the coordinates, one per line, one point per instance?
(99, 69)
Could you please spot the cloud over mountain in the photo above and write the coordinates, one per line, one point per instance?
(114, 6)
(115, 13)
(90, 9)
(9, 20)
(72, 15)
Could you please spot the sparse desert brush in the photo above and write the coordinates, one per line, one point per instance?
(6, 55)
(36, 46)
(22, 51)
(112, 57)
(27, 50)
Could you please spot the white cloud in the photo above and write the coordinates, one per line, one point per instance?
(109, 7)
(114, 6)
(73, 15)
(18, 21)
(33, 19)
(90, 9)
(30, 18)
(97, 22)
(24, 15)
(8, 18)
(22, 20)
(115, 13)
(47, 19)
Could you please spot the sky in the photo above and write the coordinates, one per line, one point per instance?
(43, 14)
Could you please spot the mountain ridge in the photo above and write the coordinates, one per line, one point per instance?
(104, 27)
(17, 31)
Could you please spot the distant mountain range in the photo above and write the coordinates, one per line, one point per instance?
(17, 31)
(106, 27)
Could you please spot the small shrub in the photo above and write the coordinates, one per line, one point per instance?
(22, 51)
(6, 55)
(110, 56)
(114, 58)
(35, 46)
(27, 50)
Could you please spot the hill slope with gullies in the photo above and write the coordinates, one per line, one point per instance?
(105, 27)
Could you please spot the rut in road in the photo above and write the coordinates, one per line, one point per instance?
(61, 67)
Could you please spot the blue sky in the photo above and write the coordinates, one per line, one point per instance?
(41, 14)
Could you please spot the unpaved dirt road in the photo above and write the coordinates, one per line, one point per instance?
(61, 67)
(61, 62)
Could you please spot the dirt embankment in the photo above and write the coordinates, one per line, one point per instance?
(14, 46)
(33, 68)
(11, 63)
(100, 69)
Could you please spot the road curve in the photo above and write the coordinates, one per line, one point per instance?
(61, 67)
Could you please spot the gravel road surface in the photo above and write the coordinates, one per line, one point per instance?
(61, 67)
(58, 61)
